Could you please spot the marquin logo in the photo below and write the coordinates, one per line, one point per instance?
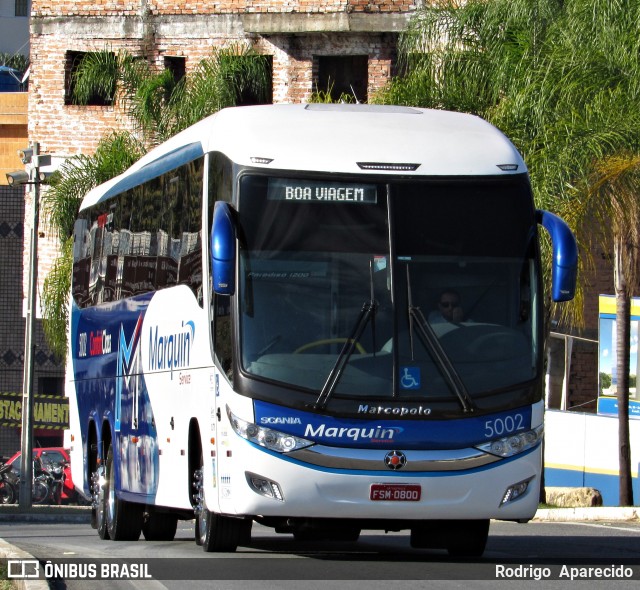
(353, 433)
(171, 351)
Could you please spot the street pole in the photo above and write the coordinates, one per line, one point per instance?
(26, 460)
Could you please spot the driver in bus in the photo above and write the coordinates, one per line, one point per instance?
(449, 309)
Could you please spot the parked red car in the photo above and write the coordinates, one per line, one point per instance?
(52, 455)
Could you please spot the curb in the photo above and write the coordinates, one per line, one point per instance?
(8, 551)
(50, 514)
(13, 513)
(591, 514)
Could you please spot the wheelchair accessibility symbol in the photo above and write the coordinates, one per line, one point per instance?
(410, 378)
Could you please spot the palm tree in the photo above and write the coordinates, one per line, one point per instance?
(60, 203)
(159, 106)
(613, 197)
(588, 149)
(16, 61)
(562, 79)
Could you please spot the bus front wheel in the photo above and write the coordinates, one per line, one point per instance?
(216, 532)
(221, 533)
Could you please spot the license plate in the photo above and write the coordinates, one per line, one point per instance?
(395, 492)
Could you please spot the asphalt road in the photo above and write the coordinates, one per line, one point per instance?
(535, 555)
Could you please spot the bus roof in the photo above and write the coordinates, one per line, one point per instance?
(344, 138)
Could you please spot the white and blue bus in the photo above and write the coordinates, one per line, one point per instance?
(255, 332)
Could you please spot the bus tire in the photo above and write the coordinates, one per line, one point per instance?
(123, 519)
(471, 541)
(99, 508)
(222, 533)
(198, 538)
(160, 526)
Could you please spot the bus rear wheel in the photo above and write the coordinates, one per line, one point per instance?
(99, 503)
(123, 519)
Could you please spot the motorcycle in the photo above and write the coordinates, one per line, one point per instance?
(56, 477)
(41, 491)
(42, 483)
(8, 493)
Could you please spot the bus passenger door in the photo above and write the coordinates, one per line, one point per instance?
(222, 376)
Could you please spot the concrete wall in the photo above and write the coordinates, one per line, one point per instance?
(581, 450)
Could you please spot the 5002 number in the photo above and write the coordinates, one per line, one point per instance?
(502, 426)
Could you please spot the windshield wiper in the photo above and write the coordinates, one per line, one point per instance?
(432, 344)
(366, 313)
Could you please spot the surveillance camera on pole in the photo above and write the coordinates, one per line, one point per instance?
(34, 160)
(17, 178)
(26, 155)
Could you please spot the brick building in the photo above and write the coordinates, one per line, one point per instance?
(350, 42)
(347, 44)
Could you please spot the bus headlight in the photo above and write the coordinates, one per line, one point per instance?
(514, 444)
(274, 440)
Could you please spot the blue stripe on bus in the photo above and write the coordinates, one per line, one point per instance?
(383, 432)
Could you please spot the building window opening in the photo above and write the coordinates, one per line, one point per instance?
(22, 8)
(343, 78)
(253, 79)
(177, 66)
(90, 78)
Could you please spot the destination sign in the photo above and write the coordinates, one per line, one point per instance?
(296, 190)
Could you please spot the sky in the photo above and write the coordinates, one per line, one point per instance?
(608, 345)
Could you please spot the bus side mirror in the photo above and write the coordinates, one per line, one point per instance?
(564, 268)
(223, 250)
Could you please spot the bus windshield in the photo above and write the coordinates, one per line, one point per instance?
(423, 290)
